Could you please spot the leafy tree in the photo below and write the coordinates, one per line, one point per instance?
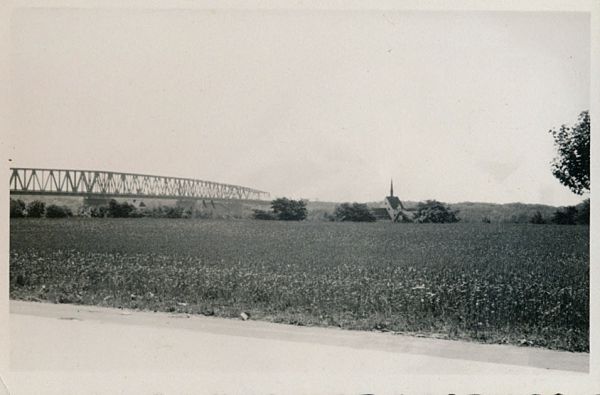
(537, 218)
(119, 210)
(54, 211)
(289, 210)
(433, 211)
(567, 216)
(36, 209)
(17, 208)
(572, 165)
(573, 215)
(583, 212)
(356, 212)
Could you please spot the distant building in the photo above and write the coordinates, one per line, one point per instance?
(392, 204)
(393, 208)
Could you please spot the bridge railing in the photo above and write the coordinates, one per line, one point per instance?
(106, 183)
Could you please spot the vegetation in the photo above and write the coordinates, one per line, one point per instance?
(500, 283)
(573, 215)
(433, 211)
(263, 214)
(572, 165)
(283, 209)
(583, 212)
(537, 219)
(36, 209)
(54, 211)
(17, 208)
(355, 212)
(119, 210)
(289, 210)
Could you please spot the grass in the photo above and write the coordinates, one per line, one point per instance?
(500, 283)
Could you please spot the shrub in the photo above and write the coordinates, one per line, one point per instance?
(173, 212)
(98, 211)
(17, 208)
(289, 210)
(433, 211)
(135, 213)
(119, 210)
(203, 214)
(355, 212)
(36, 209)
(54, 211)
(265, 215)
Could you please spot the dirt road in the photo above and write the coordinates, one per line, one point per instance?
(73, 349)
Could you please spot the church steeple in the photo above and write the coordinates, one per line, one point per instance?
(391, 187)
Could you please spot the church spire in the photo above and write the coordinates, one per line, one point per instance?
(391, 187)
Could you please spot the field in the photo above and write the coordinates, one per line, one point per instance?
(501, 283)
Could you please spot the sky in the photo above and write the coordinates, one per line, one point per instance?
(321, 105)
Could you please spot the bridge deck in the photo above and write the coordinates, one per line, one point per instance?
(93, 183)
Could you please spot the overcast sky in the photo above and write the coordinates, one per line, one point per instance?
(327, 105)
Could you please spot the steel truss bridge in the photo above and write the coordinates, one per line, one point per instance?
(104, 184)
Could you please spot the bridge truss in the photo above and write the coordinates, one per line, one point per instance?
(91, 183)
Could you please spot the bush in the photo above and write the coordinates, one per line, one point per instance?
(173, 212)
(17, 208)
(119, 210)
(99, 211)
(54, 211)
(433, 211)
(203, 214)
(264, 215)
(289, 210)
(355, 212)
(36, 209)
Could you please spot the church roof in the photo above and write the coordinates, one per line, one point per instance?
(394, 202)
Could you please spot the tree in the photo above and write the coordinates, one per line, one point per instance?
(583, 212)
(354, 212)
(17, 208)
(567, 216)
(572, 165)
(433, 211)
(289, 210)
(537, 218)
(119, 210)
(36, 209)
(54, 211)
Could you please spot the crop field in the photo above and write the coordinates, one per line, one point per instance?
(500, 283)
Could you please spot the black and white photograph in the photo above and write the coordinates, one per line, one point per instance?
(299, 197)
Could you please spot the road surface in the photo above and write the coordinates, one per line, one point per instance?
(81, 349)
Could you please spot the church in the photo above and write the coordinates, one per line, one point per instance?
(393, 209)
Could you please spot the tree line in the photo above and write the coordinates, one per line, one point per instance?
(114, 209)
(284, 209)
(37, 209)
(570, 215)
